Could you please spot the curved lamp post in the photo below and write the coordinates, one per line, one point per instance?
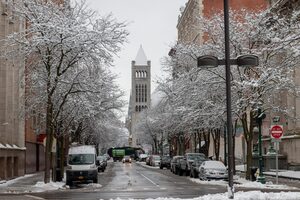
(208, 61)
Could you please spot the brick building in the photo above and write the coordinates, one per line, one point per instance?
(12, 137)
(189, 33)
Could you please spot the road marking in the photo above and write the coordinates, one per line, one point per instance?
(34, 197)
(149, 179)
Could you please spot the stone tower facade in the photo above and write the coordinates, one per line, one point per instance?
(140, 97)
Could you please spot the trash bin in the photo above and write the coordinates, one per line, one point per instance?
(253, 172)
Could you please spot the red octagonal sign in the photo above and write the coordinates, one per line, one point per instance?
(276, 131)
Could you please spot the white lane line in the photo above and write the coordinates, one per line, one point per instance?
(149, 179)
(34, 197)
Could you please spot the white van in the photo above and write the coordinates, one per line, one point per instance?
(81, 165)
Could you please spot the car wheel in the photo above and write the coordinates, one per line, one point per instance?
(161, 167)
(103, 170)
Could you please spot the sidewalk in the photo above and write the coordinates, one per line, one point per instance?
(289, 174)
(29, 183)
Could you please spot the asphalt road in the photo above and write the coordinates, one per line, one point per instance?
(131, 180)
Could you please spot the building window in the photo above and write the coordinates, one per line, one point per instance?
(136, 93)
(145, 93)
(139, 93)
(142, 94)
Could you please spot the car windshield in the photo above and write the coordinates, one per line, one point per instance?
(81, 159)
(156, 157)
(100, 158)
(195, 156)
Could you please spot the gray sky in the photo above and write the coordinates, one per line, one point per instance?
(152, 24)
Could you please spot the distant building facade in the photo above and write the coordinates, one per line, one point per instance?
(140, 96)
(12, 133)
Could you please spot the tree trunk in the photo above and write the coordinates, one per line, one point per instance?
(216, 135)
(49, 139)
(249, 159)
(248, 135)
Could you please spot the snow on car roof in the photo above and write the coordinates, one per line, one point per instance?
(82, 149)
(214, 164)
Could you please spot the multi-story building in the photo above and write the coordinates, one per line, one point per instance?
(140, 97)
(188, 33)
(12, 133)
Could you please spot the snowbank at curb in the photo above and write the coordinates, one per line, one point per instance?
(257, 195)
(243, 183)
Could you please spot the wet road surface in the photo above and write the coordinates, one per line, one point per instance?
(131, 180)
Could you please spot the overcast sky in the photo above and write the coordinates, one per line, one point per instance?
(152, 24)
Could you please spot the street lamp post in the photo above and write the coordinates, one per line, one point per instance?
(212, 61)
(208, 61)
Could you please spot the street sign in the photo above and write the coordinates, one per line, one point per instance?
(276, 131)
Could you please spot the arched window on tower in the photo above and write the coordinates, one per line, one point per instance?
(139, 93)
(145, 74)
(145, 93)
(136, 74)
(142, 93)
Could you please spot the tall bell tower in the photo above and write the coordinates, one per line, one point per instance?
(140, 93)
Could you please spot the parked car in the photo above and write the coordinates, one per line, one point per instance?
(148, 160)
(213, 169)
(186, 162)
(142, 157)
(165, 161)
(154, 160)
(195, 166)
(175, 164)
(126, 159)
(101, 163)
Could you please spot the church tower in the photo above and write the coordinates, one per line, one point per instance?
(140, 93)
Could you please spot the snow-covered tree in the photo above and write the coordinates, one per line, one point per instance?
(65, 47)
(198, 95)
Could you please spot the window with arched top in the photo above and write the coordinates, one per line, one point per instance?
(136, 108)
(145, 93)
(142, 93)
(136, 93)
(139, 93)
(145, 74)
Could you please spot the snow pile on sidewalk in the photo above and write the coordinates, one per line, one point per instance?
(243, 183)
(5, 183)
(253, 195)
(42, 187)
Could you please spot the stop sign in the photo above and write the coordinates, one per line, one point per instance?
(276, 131)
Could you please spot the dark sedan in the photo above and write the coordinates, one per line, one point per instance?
(165, 161)
(195, 166)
